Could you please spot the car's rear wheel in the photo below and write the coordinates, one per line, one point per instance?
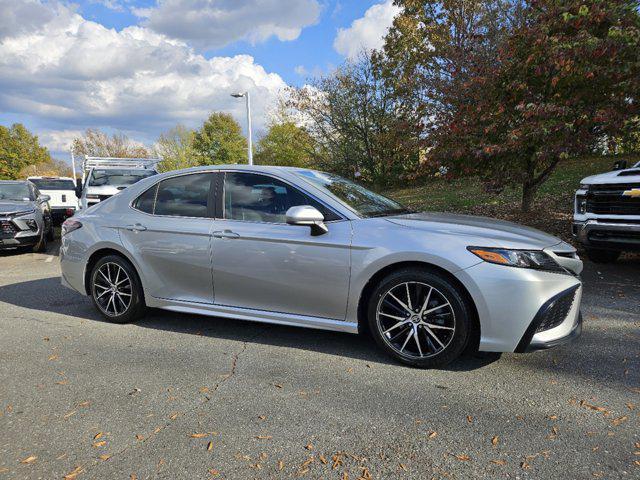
(420, 318)
(602, 256)
(116, 290)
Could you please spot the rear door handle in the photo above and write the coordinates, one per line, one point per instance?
(225, 234)
(136, 228)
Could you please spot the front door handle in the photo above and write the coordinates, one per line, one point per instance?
(136, 228)
(225, 234)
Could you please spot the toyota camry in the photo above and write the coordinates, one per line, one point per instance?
(306, 248)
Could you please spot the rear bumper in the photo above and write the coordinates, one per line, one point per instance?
(619, 236)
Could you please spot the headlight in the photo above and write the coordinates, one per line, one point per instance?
(581, 204)
(535, 259)
(584, 186)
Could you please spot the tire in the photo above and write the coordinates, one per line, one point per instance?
(602, 256)
(113, 305)
(41, 246)
(443, 332)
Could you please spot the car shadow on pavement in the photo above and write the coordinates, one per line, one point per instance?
(66, 302)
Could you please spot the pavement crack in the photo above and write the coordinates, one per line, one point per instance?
(234, 365)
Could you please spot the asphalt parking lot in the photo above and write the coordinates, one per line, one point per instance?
(178, 396)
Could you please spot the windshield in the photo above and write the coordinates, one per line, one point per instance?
(14, 191)
(118, 178)
(53, 184)
(360, 199)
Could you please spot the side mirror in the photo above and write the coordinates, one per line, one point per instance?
(309, 216)
(78, 188)
(620, 165)
(44, 198)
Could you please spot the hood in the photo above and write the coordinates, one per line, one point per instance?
(480, 231)
(629, 175)
(11, 206)
(106, 189)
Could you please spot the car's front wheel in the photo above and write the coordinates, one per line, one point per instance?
(116, 290)
(420, 318)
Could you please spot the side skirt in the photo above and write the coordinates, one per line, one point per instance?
(255, 315)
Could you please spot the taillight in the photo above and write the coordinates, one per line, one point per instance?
(69, 225)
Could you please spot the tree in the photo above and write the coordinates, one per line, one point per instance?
(359, 127)
(18, 149)
(176, 150)
(285, 144)
(50, 168)
(220, 140)
(95, 143)
(540, 81)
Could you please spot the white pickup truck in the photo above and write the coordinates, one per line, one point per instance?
(104, 177)
(61, 191)
(606, 218)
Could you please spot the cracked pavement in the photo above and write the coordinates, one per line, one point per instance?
(180, 396)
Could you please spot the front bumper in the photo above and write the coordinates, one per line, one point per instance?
(609, 235)
(16, 231)
(509, 300)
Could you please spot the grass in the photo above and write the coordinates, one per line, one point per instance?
(553, 206)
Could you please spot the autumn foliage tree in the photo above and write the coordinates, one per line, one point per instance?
(96, 143)
(540, 81)
(18, 150)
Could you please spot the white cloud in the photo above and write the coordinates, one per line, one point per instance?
(70, 74)
(114, 5)
(17, 17)
(300, 70)
(58, 140)
(368, 32)
(215, 23)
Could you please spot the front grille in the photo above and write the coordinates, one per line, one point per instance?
(557, 311)
(614, 236)
(609, 199)
(7, 229)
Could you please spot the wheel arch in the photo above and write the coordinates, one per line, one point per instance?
(383, 272)
(101, 253)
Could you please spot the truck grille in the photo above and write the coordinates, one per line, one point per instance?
(7, 229)
(557, 311)
(609, 199)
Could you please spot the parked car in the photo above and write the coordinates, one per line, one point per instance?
(25, 216)
(61, 190)
(105, 177)
(606, 219)
(301, 247)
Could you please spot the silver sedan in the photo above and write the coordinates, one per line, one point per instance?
(306, 248)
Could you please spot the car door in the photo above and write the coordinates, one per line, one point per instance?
(260, 262)
(168, 231)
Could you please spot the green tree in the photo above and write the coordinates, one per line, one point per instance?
(358, 124)
(96, 143)
(285, 144)
(18, 149)
(176, 150)
(49, 168)
(220, 141)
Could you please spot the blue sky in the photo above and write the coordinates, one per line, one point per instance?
(142, 66)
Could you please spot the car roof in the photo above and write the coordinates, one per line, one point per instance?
(252, 168)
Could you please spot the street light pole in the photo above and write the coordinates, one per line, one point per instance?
(248, 103)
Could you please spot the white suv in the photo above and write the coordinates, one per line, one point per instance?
(606, 218)
(61, 190)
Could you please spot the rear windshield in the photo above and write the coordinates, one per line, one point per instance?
(53, 184)
(117, 177)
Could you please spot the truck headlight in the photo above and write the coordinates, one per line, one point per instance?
(581, 204)
(535, 259)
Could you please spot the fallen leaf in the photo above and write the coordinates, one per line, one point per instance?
(617, 421)
(261, 417)
(173, 416)
(525, 466)
(133, 476)
(84, 404)
(210, 446)
(433, 434)
(53, 357)
(62, 382)
(139, 437)
(309, 447)
(263, 456)
(214, 472)
(134, 391)
(204, 390)
(97, 435)
(70, 414)
(403, 466)
(499, 462)
(73, 474)
(102, 443)
(495, 440)
(463, 457)
(323, 459)
(264, 437)
(277, 385)
(553, 417)
(29, 459)
(593, 407)
(104, 457)
(469, 418)
(345, 475)
(630, 406)
(280, 465)
(198, 435)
